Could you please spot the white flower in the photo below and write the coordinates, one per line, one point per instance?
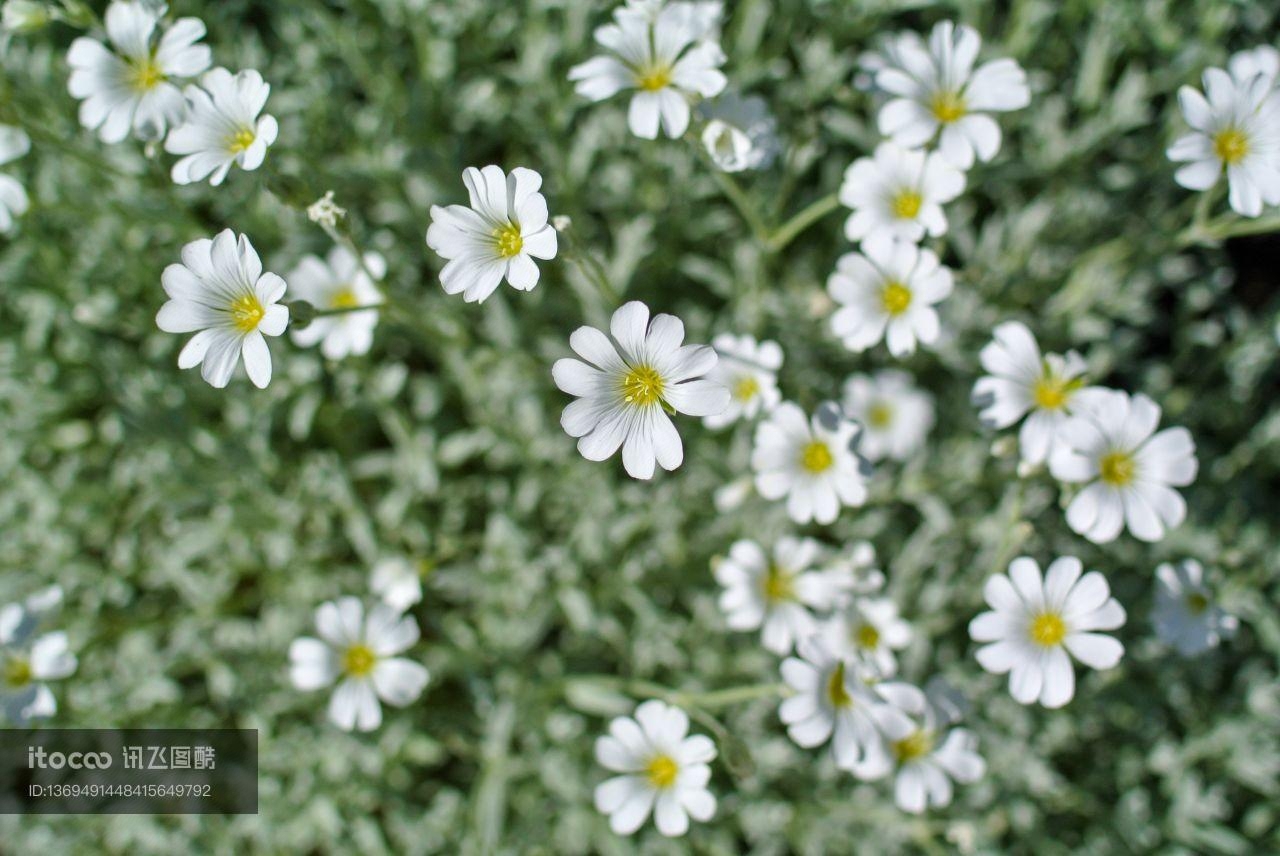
(929, 756)
(937, 89)
(20, 621)
(868, 631)
(1130, 473)
(739, 134)
(1034, 627)
(1263, 60)
(663, 770)
(359, 653)
(338, 283)
(28, 658)
(775, 594)
(853, 572)
(14, 143)
(811, 463)
(133, 89)
(749, 371)
(397, 582)
(1236, 129)
(222, 127)
(626, 385)
(664, 56)
(1185, 615)
(1021, 380)
(899, 193)
(699, 18)
(895, 415)
(324, 212)
(888, 291)
(831, 701)
(24, 16)
(499, 236)
(221, 291)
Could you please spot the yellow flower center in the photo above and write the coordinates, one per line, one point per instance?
(816, 457)
(866, 636)
(240, 140)
(906, 204)
(895, 297)
(778, 584)
(1231, 145)
(344, 298)
(837, 694)
(642, 386)
(1047, 629)
(359, 660)
(145, 74)
(880, 415)
(746, 388)
(947, 106)
(654, 78)
(662, 772)
(246, 312)
(508, 240)
(1117, 468)
(17, 672)
(1197, 603)
(1052, 392)
(916, 745)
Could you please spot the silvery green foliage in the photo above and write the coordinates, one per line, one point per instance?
(196, 530)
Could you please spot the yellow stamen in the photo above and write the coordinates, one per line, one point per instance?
(778, 585)
(359, 660)
(17, 672)
(643, 386)
(344, 298)
(508, 240)
(662, 772)
(1052, 392)
(1117, 468)
(145, 75)
(895, 297)
(246, 312)
(867, 636)
(880, 415)
(913, 746)
(1047, 629)
(906, 204)
(1197, 603)
(816, 457)
(746, 388)
(947, 106)
(240, 140)
(653, 79)
(837, 694)
(1231, 146)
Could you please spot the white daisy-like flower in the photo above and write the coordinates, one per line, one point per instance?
(497, 237)
(740, 133)
(774, 594)
(888, 291)
(664, 770)
(868, 631)
(14, 143)
(222, 127)
(1185, 615)
(626, 385)
(810, 461)
(359, 654)
(832, 701)
(895, 415)
(929, 756)
(132, 88)
(899, 193)
(221, 294)
(338, 282)
(397, 582)
(1263, 60)
(29, 658)
(1235, 127)
(667, 57)
(1034, 626)
(1131, 474)
(937, 91)
(749, 370)
(1021, 380)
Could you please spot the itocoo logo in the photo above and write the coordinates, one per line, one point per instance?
(38, 758)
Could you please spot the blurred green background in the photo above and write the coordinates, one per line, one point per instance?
(196, 530)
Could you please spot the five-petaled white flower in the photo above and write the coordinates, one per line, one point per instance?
(664, 770)
(14, 143)
(359, 653)
(30, 658)
(1035, 625)
(499, 236)
(888, 291)
(810, 462)
(626, 384)
(221, 294)
(868, 630)
(1185, 615)
(832, 701)
(930, 755)
(1022, 380)
(1130, 473)
(666, 57)
(397, 582)
(1235, 126)
(935, 88)
(133, 88)
(339, 282)
(222, 127)
(773, 594)
(740, 133)
(895, 415)
(749, 371)
(899, 193)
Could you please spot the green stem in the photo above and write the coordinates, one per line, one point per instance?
(343, 310)
(735, 194)
(805, 218)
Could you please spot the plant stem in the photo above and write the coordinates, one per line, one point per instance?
(735, 194)
(343, 310)
(805, 218)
